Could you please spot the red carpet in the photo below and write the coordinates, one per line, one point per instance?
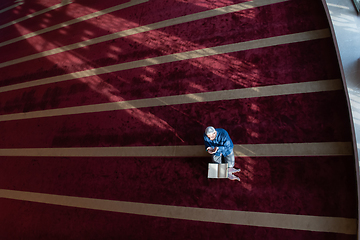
(242, 69)
(72, 223)
(254, 120)
(267, 184)
(307, 185)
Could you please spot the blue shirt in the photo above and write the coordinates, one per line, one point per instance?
(222, 141)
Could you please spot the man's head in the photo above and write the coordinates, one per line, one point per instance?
(210, 132)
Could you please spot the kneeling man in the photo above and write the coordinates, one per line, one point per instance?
(218, 143)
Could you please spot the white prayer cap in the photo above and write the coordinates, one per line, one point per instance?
(209, 130)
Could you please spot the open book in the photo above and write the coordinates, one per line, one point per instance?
(218, 170)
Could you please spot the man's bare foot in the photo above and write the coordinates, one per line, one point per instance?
(233, 177)
(234, 170)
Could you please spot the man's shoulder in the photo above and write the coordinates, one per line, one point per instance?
(222, 133)
(220, 130)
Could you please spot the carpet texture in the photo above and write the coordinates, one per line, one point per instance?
(306, 185)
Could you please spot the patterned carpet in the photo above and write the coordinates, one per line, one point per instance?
(117, 81)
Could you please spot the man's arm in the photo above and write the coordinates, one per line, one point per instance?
(226, 142)
(208, 147)
(206, 142)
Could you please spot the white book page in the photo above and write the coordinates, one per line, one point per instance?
(213, 170)
(223, 170)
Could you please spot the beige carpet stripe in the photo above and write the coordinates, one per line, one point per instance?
(10, 7)
(205, 52)
(33, 15)
(247, 218)
(146, 28)
(294, 149)
(266, 91)
(73, 21)
(240, 150)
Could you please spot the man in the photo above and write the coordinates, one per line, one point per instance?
(218, 143)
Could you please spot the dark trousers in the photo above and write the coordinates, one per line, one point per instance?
(229, 159)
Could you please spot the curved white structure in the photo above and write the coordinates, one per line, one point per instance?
(344, 22)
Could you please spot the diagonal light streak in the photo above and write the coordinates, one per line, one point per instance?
(10, 7)
(33, 15)
(73, 21)
(265, 91)
(146, 28)
(206, 52)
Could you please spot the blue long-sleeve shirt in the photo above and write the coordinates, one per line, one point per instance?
(222, 141)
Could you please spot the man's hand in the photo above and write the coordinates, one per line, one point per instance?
(212, 150)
